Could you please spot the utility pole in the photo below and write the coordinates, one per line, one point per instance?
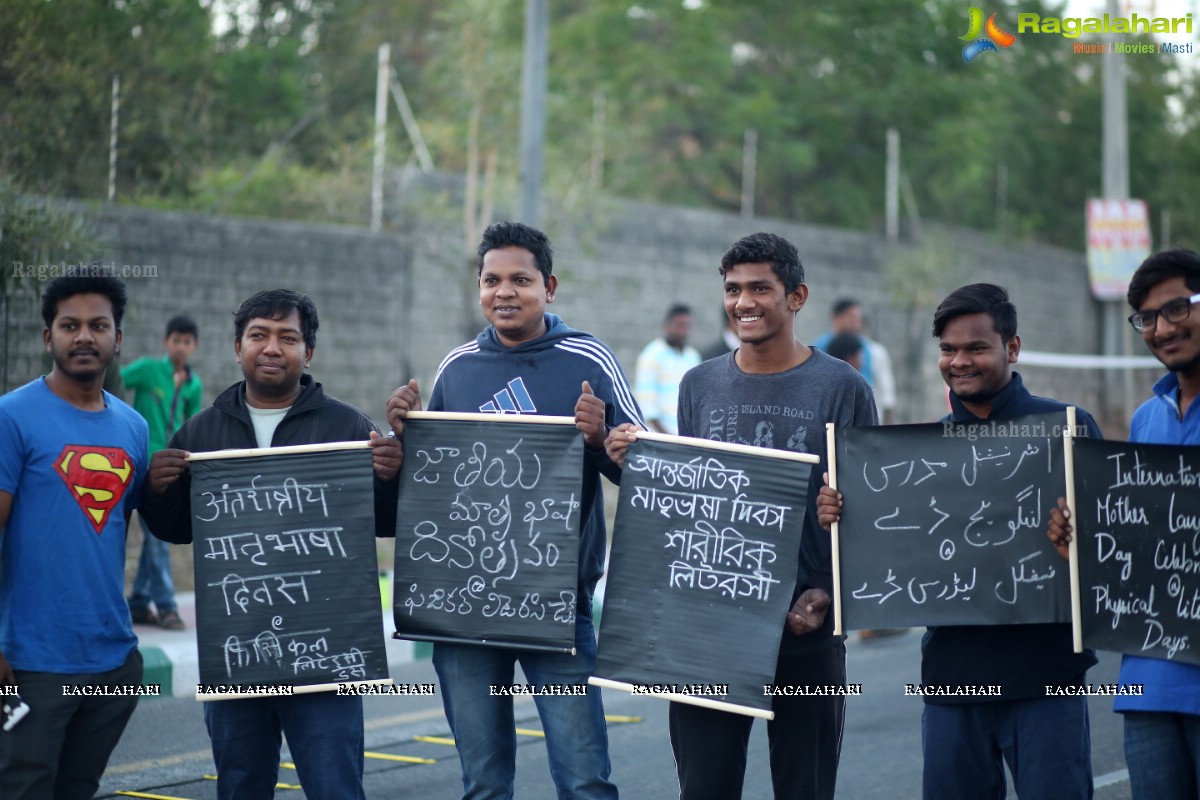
(749, 168)
(599, 111)
(410, 123)
(891, 199)
(382, 74)
(112, 138)
(1115, 171)
(533, 108)
(1116, 134)
(1001, 198)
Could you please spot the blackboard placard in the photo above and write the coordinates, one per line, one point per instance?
(487, 532)
(1137, 515)
(287, 587)
(945, 524)
(701, 570)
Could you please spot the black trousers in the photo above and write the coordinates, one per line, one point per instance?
(60, 749)
(805, 738)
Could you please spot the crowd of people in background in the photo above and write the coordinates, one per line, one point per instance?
(76, 461)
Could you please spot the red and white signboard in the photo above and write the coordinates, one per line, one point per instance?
(1118, 240)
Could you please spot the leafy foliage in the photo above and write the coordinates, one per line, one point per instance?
(266, 107)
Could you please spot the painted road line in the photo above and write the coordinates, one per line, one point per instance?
(277, 786)
(619, 718)
(150, 796)
(530, 732)
(166, 761)
(404, 719)
(434, 740)
(405, 759)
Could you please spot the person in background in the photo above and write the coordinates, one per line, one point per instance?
(847, 317)
(166, 392)
(72, 461)
(727, 342)
(1162, 726)
(885, 378)
(848, 347)
(660, 367)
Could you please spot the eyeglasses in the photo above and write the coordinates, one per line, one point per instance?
(1174, 312)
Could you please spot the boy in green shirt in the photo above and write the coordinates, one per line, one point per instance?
(165, 392)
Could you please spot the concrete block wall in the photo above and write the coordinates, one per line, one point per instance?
(392, 304)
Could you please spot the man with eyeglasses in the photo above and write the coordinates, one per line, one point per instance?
(1162, 727)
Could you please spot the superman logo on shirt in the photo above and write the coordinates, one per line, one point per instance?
(96, 477)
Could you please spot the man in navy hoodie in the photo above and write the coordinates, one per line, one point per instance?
(528, 362)
(1045, 740)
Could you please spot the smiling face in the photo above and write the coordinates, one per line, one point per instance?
(1175, 344)
(759, 307)
(974, 362)
(84, 337)
(273, 357)
(513, 294)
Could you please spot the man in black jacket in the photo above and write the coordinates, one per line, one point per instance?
(277, 404)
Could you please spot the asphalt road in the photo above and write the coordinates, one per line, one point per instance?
(164, 752)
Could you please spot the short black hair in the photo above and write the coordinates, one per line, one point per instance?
(843, 305)
(63, 287)
(182, 323)
(514, 234)
(767, 248)
(277, 304)
(844, 346)
(978, 298)
(680, 310)
(1160, 267)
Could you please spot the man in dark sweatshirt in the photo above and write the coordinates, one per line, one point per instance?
(529, 362)
(277, 404)
(1045, 740)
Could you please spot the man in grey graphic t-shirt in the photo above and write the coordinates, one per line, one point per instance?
(773, 391)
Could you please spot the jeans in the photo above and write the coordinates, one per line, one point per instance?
(61, 747)
(1046, 742)
(324, 733)
(804, 740)
(153, 581)
(1162, 751)
(483, 725)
